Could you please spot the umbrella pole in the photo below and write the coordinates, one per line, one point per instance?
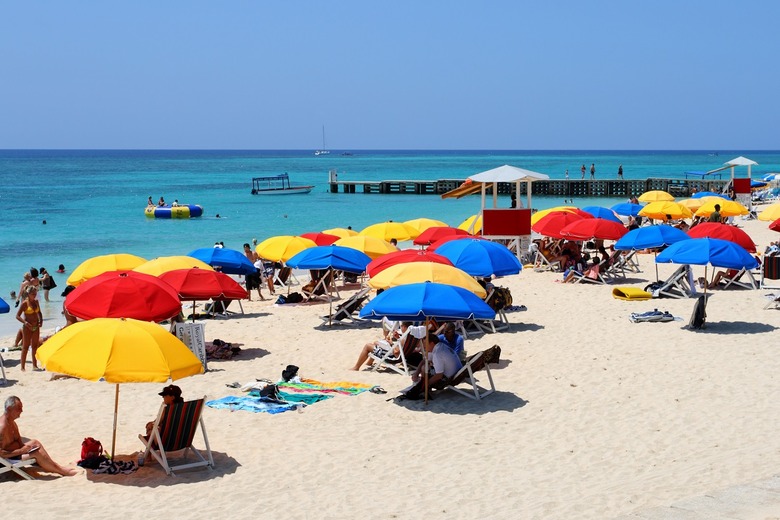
(330, 299)
(425, 360)
(116, 409)
(655, 256)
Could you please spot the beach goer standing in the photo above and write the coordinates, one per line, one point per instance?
(715, 215)
(582, 170)
(29, 314)
(13, 447)
(620, 171)
(47, 283)
(252, 279)
(593, 171)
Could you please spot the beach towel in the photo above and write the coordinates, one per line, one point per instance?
(314, 386)
(630, 294)
(651, 316)
(252, 404)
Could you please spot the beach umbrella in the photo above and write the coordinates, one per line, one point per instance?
(330, 257)
(418, 272)
(124, 294)
(480, 257)
(118, 351)
(664, 210)
(723, 232)
(656, 196)
(692, 204)
(771, 212)
(703, 251)
(551, 224)
(472, 224)
(448, 238)
(627, 209)
(771, 177)
(164, 264)
(432, 234)
(601, 212)
(203, 284)
(728, 208)
(390, 230)
(418, 301)
(650, 237)
(100, 264)
(4, 307)
(373, 247)
(774, 226)
(422, 224)
(757, 184)
(402, 257)
(702, 194)
(321, 239)
(594, 228)
(539, 215)
(282, 248)
(229, 261)
(341, 232)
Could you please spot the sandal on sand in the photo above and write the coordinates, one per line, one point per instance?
(377, 390)
(233, 385)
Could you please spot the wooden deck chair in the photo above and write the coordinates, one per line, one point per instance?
(679, 285)
(346, 312)
(403, 363)
(466, 375)
(16, 466)
(174, 430)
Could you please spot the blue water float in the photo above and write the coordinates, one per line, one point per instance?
(180, 211)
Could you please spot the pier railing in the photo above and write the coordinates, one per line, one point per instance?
(554, 187)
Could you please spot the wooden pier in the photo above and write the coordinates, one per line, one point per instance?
(552, 187)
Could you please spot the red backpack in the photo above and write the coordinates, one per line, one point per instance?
(91, 448)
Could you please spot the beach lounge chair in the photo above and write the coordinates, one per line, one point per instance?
(679, 285)
(2, 370)
(284, 276)
(16, 466)
(770, 272)
(497, 300)
(346, 312)
(174, 430)
(541, 263)
(591, 275)
(319, 289)
(743, 278)
(406, 360)
(466, 375)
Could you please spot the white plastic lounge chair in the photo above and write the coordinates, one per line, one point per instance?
(466, 375)
(16, 466)
(679, 285)
(174, 430)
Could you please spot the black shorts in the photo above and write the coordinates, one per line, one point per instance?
(252, 281)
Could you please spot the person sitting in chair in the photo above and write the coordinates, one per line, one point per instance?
(14, 448)
(171, 394)
(452, 339)
(444, 363)
(381, 347)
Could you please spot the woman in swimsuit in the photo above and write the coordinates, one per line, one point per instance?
(29, 314)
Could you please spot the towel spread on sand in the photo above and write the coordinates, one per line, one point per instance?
(313, 386)
(252, 404)
(306, 399)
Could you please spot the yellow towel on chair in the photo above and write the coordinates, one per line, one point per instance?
(630, 293)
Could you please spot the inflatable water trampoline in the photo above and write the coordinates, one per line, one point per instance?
(180, 211)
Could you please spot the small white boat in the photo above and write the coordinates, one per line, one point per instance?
(277, 185)
(323, 151)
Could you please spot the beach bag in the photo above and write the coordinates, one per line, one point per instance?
(294, 298)
(91, 448)
(290, 372)
(270, 392)
(699, 316)
(281, 300)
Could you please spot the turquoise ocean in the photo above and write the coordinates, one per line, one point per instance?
(93, 201)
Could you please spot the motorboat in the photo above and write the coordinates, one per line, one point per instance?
(277, 185)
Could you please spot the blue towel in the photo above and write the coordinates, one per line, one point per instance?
(251, 404)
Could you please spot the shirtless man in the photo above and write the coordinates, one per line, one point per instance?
(13, 447)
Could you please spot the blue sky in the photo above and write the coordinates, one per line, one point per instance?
(390, 75)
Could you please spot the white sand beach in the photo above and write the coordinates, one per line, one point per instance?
(594, 417)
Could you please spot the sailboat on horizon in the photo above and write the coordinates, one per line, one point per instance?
(324, 150)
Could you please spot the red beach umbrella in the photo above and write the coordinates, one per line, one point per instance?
(200, 284)
(432, 234)
(321, 239)
(597, 228)
(401, 257)
(124, 294)
(775, 226)
(551, 224)
(723, 232)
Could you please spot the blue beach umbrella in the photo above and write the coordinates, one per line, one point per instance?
(229, 261)
(757, 184)
(602, 212)
(650, 237)
(703, 251)
(709, 194)
(336, 257)
(419, 301)
(627, 209)
(771, 177)
(4, 307)
(480, 257)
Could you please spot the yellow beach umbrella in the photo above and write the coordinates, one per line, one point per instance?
(422, 224)
(118, 350)
(390, 230)
(691, 204)
(476, 220)
(340, 232)
(770, 213)
(665, 210)
(283, 247)
(728, 208)
(419, 272)
(656, 196)
(373, 247)
(539, 215)
(163, 264)
(98, 265)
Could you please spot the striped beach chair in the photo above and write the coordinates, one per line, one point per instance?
(173, 431)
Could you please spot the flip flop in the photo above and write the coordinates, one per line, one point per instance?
(377, 390)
